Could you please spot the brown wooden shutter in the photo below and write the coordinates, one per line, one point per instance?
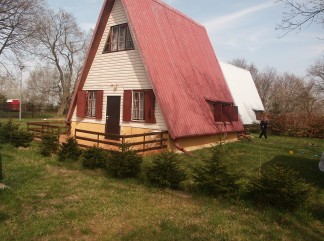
(127, 106)
(226, 113)
(81, 103)
(99, 100)
(149, 107)
(218, 112)
(234, 113)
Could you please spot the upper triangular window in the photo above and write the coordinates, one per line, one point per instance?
(119, 39)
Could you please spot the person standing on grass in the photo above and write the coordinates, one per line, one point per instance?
(263, 127)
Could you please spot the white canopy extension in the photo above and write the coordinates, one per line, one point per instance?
(244, 92)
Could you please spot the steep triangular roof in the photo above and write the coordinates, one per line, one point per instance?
(180, 63)
(244, 92)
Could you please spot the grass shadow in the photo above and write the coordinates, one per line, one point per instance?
(309, 171)
(307, 168)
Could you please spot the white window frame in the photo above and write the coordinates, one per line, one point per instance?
(138, 99)
(91, 103)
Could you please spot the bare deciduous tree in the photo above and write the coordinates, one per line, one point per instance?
(242, 63)
(300, 13)
(316, 73)
(60, 41)
(17, 22)
(40, 89)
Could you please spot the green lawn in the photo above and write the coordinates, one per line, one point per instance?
(48, 200)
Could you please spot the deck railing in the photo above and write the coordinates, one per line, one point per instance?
(39, 128)
(138, 142)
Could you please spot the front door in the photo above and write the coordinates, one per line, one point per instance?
(113, 116)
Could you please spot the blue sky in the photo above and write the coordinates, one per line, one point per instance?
(237, 29)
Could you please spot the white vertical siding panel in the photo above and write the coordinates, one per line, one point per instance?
(124, 69)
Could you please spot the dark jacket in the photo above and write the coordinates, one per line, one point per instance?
(264, 125)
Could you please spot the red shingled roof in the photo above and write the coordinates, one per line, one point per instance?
(181, 65)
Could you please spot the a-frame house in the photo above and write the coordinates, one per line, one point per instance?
(151, 68)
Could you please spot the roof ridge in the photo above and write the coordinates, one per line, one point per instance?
(233, 65)
(179, 13)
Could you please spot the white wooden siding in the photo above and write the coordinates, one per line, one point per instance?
(123, 69)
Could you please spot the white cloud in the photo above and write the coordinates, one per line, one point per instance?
(224, 21)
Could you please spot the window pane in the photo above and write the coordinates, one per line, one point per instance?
(108, 44)
(88, 104)
(114, 44)
(91, 103)
(129, 41)
(119, 39)
(141, 106)
(135, 105)
(122, 36)
(138, 105)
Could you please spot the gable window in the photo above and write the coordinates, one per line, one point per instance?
(138, 105)
(258, 114)
(89, 104)
(119, 39)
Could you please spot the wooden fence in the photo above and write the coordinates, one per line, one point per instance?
(138, 142)
(39, 128)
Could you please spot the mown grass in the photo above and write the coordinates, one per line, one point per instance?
(49, 200)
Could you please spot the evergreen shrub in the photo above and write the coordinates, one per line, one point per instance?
(94, 157)
(165, 171)
(69, 150)
(124, 163)
(213, 177)
(280, 187)
(21, 138)
(6, 131)
(49, 143)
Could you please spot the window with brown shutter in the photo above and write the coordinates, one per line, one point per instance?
(234, 113)
(218, 112)
(99, 101)
(89, 104)
(81, 104)
(127, 106)
(149, 107)
(139, 105)
(226, 113)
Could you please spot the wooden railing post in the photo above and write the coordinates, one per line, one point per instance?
(123, 142)
(144, 143)
(98, 140)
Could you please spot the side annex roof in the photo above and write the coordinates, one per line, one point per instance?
(244, 92)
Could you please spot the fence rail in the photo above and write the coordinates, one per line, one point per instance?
(148, 141)
(39, 128)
